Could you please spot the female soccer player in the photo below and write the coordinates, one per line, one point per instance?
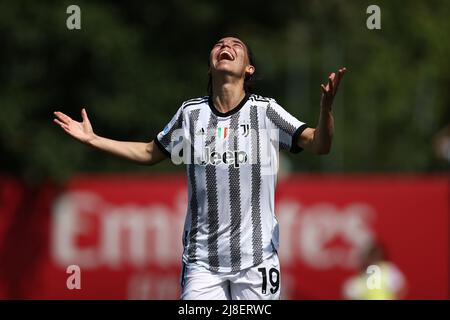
(227, 140)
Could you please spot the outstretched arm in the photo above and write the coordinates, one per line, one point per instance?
(140, 152)
(318, 140)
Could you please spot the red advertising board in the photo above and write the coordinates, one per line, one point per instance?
(124, 233)
(325, 220)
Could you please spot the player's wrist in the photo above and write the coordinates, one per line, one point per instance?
(326, 108)
(92, 140)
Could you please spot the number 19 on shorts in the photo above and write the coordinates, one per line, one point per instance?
(273, 275)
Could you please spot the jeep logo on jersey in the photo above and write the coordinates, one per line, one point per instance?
(202, 146)
(234, 157)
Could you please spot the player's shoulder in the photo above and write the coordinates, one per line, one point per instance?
(195, 102)
(261, 100)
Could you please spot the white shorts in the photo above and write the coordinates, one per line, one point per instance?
(261, 282)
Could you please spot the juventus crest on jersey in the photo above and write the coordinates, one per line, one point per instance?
(232, 161)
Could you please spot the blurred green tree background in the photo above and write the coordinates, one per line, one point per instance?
(133, 63)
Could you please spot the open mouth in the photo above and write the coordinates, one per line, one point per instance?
(225, 55)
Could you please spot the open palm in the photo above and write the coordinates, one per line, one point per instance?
(81, 131)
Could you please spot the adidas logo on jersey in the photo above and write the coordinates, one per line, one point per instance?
(234, 158)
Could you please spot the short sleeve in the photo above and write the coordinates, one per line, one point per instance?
(164, 139)
(289, 126)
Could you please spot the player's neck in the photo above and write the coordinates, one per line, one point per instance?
(226, 96)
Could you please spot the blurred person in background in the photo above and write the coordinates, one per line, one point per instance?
(392, 282)
(441, 144)
(230, 236)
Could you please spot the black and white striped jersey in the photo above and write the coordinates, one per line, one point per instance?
(232, 162)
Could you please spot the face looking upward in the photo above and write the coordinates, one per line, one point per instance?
(229, 56)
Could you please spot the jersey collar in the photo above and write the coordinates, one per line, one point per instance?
(232, 111)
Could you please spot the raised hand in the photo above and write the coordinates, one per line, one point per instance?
(329, 91)
(81, 131)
